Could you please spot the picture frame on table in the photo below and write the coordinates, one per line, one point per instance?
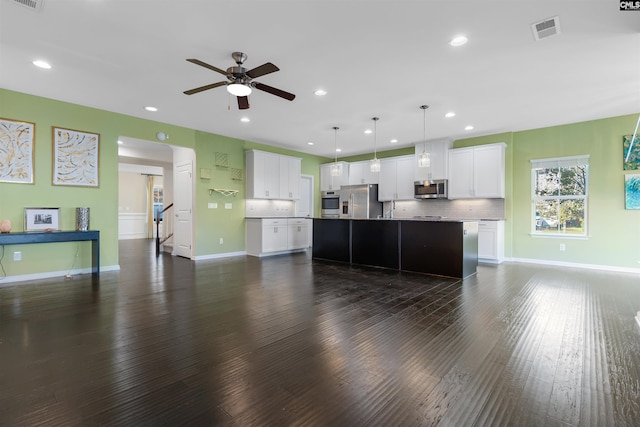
(41, 219)
(76, 158)
(17, 139)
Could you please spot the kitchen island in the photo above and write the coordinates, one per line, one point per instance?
(444, 247)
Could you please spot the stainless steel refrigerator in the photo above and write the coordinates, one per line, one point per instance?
(360, 201)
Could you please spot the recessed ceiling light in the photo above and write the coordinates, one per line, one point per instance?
(320, 92)
(151, 108)
(41, 64)
(245, 120)
(338, 150)
(368, 131)
(450, 114)
(393, 141)
(309, 143)
(458, 40)
(468, 127)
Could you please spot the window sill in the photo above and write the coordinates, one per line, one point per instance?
(560, 236)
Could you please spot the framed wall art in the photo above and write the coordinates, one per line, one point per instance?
(75, 157)
(16, 151)
(631, 153)
(632, 191)
(41, 219)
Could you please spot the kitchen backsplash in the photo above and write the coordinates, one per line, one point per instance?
(459, 209)
(255, 208)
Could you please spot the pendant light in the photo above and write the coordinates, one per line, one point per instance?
(424, 159)
(335, 168)
(374, 165)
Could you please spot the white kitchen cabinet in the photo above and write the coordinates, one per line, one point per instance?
(360, 173)
(272, 176)
(328, 181)
(491, 241)
(297, 233)
(439, 159)
(270, 236)
(396, 178)
(290, 177)
(477, 172)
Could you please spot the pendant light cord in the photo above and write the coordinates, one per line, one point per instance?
(375, 137)
(335, 143)
(424, 127)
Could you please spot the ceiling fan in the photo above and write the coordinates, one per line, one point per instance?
(241, 80)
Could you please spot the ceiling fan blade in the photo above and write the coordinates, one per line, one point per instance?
(262, 70)
(243, 102)
(274, 91)
(203, 88)
(205, 65)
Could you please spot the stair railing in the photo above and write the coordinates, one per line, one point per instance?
(169, 228)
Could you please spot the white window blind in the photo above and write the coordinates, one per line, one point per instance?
(560, 162)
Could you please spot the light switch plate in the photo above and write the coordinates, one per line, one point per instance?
(212, 205)
(227, 205)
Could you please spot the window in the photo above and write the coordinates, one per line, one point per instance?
(157, 201)
(559, 196)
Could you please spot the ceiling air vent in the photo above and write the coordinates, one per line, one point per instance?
(547, 28)
(31, 4)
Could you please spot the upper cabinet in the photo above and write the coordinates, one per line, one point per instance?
(360, 173)
(477, 172)
(396, 178)
(438, 159)
(290, 177)
(272, 176)
(329, 182)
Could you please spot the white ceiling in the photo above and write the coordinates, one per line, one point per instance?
(374, 58)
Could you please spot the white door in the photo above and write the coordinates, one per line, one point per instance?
(304, 205)
(182, 198)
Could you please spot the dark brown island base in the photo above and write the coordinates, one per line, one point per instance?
(445, 248)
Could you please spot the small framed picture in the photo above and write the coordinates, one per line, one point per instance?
(41, 219)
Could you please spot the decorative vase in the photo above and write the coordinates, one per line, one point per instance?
(5, 226)
(82, 219)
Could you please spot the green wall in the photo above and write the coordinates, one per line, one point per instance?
(213, 224)
(614, 233)
(210, 224)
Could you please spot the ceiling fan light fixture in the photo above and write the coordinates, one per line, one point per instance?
(239, 89)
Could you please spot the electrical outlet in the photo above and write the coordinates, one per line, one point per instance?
(17, 256)
(221, 240)
(563, 247)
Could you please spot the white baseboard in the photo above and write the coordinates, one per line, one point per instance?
(51, 274)
(576, 265)
(216, 256)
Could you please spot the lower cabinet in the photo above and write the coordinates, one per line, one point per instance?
(491, 241)
(270, 236)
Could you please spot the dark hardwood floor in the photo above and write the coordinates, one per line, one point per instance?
(290, 341)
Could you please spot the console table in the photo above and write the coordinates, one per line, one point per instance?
(58, 236)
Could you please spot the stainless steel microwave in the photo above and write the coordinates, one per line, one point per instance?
(434, 189)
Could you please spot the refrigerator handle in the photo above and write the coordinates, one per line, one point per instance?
(352, 200)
